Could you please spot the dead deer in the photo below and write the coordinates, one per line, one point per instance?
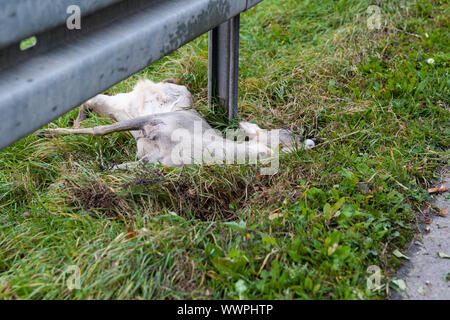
(169, 132)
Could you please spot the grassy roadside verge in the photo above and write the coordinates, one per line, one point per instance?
(377, 107)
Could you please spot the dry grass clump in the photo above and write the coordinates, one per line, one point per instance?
(97, 195)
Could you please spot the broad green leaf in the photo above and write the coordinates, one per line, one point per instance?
(269, 240)
(327, 211)
(238, 226)
(398, 254)
(443, 255)
(400, 283)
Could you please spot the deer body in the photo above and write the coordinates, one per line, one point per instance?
(169, 132)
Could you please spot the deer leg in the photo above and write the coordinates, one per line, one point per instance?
(127, 125)
(107, 106)
(101, 104)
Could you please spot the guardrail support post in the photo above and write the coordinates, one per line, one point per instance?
(224, 66)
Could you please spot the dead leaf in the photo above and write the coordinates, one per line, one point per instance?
(443, 212)
(427, 207)
(440, 189)
(143, 231)
(115, 264)
(274, 216)
(427, 221)
(131, 233)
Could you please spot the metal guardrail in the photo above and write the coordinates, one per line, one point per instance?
(117, 38)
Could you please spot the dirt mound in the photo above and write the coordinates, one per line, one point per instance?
(208, 194)
(98, 195)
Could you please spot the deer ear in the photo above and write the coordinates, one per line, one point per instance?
(250, 129)
(171, 80)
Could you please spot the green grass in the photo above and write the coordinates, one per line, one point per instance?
(381, 116)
